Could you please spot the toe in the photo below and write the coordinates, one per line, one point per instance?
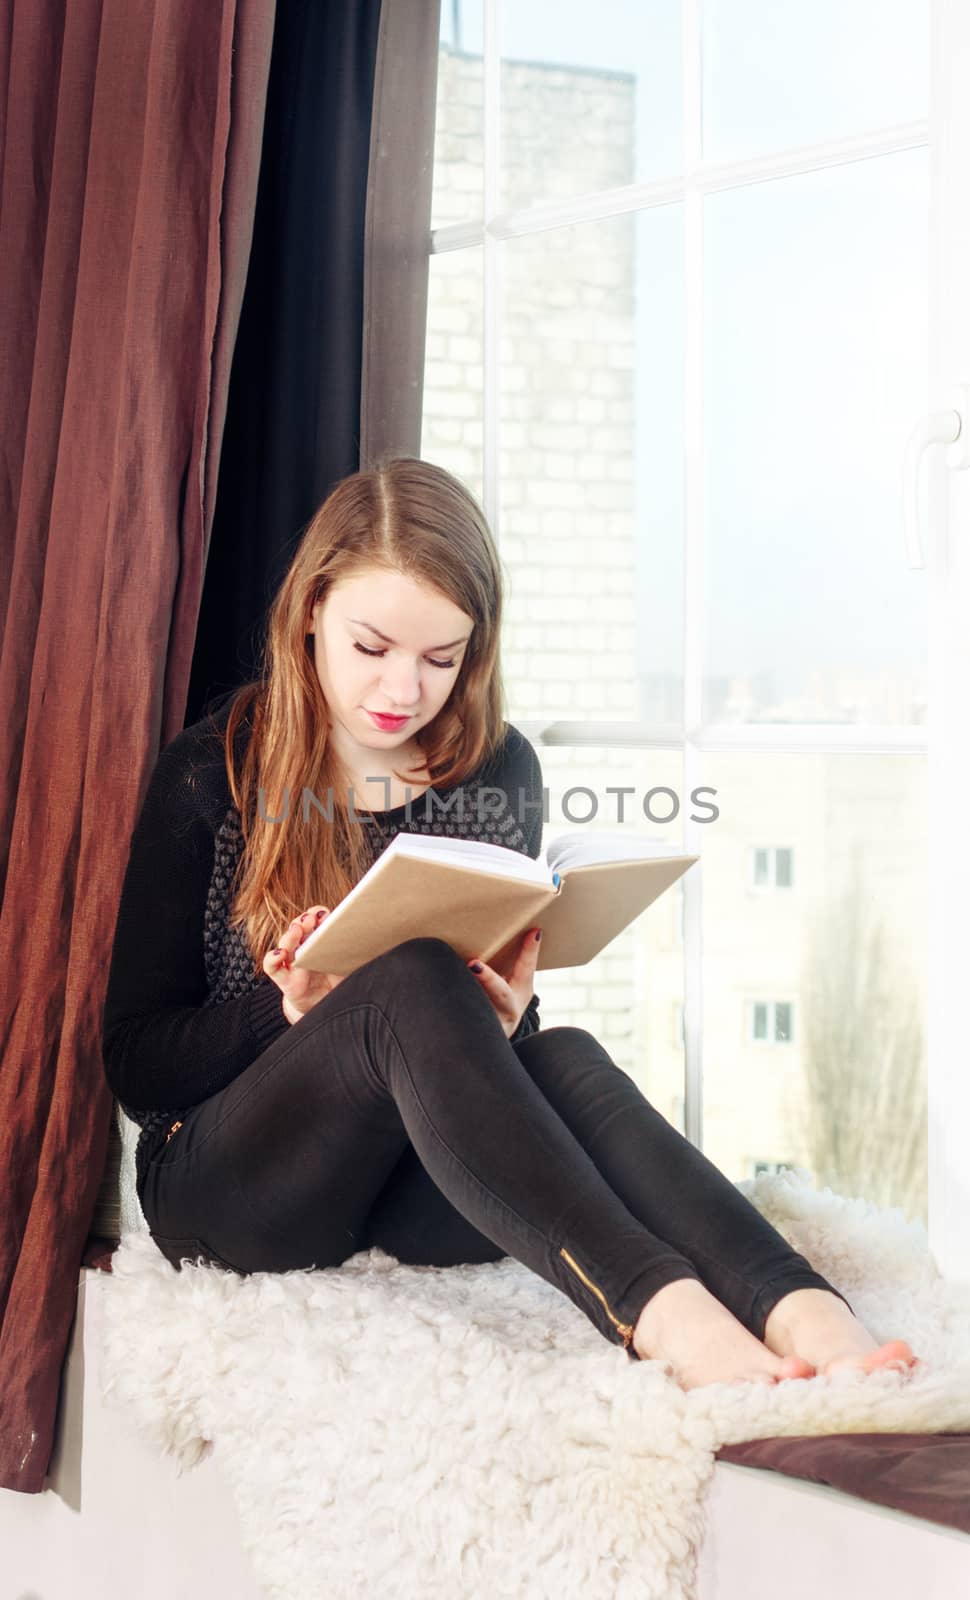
(795, 1367)
(896, 1356)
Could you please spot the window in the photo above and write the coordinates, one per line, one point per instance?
(770, 1021)
(657, 349)
(759, 1169)
(771, 868)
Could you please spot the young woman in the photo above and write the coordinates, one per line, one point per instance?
(291, 1119)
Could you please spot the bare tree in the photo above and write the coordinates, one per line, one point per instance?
(863, 1117)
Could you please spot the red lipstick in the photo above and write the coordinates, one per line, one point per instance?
(387, 724)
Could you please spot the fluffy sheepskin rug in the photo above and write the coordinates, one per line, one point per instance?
(465, 1432)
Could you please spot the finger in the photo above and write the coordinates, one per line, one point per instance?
(497, 987)
(301, 927)
(487, 976)
(276, 960)
(529, 951)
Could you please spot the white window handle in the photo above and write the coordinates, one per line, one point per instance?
(942, 427)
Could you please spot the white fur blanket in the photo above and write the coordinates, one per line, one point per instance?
(465, 1432)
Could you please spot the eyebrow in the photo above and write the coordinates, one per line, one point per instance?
(449, 646)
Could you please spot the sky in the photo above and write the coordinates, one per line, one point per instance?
(815, 321)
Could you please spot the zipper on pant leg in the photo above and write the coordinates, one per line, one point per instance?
(623, 1328)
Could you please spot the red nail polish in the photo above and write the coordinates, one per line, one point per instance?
(538, 935)
(475, 966)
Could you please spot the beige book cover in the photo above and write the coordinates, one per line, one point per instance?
(483, 910)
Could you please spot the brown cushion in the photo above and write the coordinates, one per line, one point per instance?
(924, 1474)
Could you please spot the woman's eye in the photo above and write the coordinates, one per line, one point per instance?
(365, 652)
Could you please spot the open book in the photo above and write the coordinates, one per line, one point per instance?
(481, 899)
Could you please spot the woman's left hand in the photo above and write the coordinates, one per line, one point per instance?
(511, 995)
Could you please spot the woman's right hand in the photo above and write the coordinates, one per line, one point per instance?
(301, 989)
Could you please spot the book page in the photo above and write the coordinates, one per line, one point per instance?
(474, 854)
(586, 849)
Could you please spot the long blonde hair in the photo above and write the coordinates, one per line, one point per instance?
(405, 516)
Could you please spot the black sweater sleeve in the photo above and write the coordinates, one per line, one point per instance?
(524, 787)
(162, 1045)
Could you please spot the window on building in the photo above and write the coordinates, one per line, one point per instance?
(772, 867)
(770, 1021)
(759, 1169)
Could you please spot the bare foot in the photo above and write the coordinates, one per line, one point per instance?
(820, 1327)
(701, 1342)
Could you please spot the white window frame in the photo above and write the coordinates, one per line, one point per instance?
(947, 135)
(948, 559)
(678, 1036)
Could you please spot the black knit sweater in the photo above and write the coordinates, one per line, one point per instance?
(184, 1013)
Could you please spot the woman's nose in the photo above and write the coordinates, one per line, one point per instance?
(402, 687)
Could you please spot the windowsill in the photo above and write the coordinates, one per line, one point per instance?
(110, 1509)
(768, 1534)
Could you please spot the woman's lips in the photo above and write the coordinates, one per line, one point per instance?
(388, 724)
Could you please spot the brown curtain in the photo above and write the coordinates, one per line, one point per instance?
(131, 133)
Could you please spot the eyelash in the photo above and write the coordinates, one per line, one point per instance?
(365, 652)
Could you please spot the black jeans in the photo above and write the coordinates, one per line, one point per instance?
(397, 1114)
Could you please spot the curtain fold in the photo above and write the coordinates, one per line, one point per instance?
(132, 131)
(292, 425)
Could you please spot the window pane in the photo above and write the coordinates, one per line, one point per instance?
(451, 432)
(589, 100)
(787, 73)
(457, 192)
(760, 867)
(816, 361)
(845, 952)
(591, 467)
(627, 995)
(783, 869)
(759, 1026)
